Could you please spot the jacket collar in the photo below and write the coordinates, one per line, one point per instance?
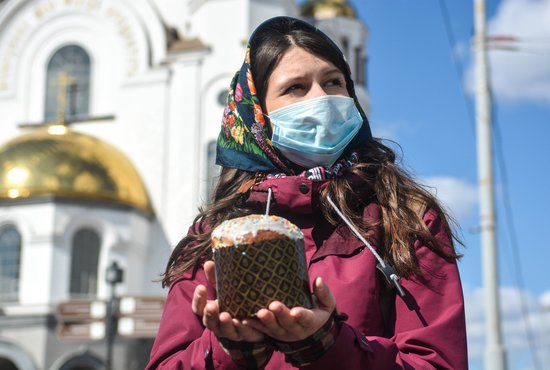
(297, 194)
(297, 199)
(290, 194)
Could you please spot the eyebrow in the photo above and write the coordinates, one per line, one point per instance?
(301, 74)
(334, 69)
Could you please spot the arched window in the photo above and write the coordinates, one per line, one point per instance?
(10, 261)
(83, 362)
(84, 263)
(360, 62)
(345, 47)
(68, 84)
(6, 364)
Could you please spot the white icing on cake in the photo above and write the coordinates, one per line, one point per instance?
(236, 229)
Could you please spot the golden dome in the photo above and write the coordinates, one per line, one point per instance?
(323, 9)
(59, 162)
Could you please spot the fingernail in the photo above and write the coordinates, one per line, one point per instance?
(319, 282)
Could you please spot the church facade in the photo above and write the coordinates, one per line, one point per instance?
(109, 114)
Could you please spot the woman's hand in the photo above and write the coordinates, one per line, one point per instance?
(220, 323)
(290, 325)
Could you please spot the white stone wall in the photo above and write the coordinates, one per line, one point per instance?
(47, 229)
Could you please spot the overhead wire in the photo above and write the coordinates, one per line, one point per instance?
(499, 154)
(459, 69)
(518, 49)
(512, 233)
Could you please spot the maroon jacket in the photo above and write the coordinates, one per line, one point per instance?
(426, 329)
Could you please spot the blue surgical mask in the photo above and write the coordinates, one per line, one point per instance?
(315, 132)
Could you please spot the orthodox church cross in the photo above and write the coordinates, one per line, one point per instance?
(66, 95)
(67, 86)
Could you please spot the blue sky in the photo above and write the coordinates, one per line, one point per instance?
(418, 101)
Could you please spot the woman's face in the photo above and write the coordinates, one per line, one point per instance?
(300, 76)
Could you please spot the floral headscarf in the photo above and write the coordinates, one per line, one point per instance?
(244, 140)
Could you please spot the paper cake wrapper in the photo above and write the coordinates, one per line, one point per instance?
(251, 276)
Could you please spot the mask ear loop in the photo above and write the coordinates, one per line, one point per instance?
(270, 123)
(385, 268)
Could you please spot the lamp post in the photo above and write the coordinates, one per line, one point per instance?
(114, 275)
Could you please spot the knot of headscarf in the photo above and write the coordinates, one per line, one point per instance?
(244, 141)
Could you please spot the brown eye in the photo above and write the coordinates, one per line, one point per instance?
(336, 82)
(293, 89)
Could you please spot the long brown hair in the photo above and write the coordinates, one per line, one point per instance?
(402, 201)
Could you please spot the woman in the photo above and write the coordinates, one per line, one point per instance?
(293, 125)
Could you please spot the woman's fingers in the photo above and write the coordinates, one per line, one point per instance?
(266, 322)
(210, 271)
(223, 325)
(282, 323)
(210, 319)
(199, 300)
(233, 329)
(227, 327)
(325, 299)
(282, 314)
(267, 318)
(277, 321)
(247, 333)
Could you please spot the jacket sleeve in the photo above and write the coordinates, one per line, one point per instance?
(182, 341)
(429, 324)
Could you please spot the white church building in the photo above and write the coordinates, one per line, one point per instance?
(109, 114)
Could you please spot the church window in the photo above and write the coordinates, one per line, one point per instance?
(68, 84)
(84, 263)
(6, 364)
(345, 47)
(10, 258)
(360, 62)
(86, 361)
(222, 98)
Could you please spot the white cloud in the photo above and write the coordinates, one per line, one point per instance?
(545, 300)
(513, 327)
(523, 74)
(389, 130)
(459, 196)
